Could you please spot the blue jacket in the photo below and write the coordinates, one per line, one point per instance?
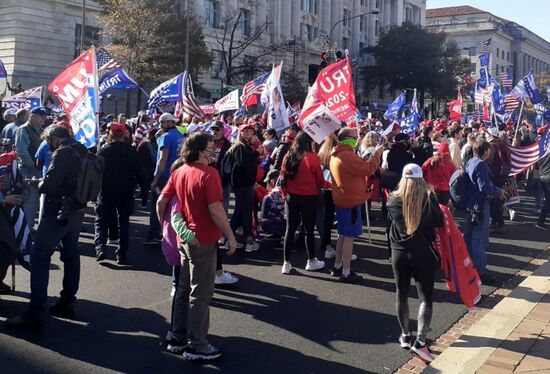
(483, 188)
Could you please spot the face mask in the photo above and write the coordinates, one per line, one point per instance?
(351, 142)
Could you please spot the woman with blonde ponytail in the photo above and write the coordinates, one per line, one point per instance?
(414, 214)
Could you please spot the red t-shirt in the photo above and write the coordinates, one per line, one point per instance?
(196, 186)
(309, 177)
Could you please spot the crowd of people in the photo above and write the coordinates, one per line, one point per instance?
(188, 171)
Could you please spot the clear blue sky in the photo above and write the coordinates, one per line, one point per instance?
(532, 14)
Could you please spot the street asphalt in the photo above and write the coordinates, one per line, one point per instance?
(268, 323)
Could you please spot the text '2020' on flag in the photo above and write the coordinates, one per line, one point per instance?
(27, 99)
(272, 99)
(333, 88)
(77, 91)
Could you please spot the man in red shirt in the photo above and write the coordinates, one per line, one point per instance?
(199, 189)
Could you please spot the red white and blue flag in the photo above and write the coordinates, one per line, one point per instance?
(187, 103)
(254, 87)
(486, 46)
(105, 60)
(506, 79)
(511, 103)
(524, 157)
(3, 71)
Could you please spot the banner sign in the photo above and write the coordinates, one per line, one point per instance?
(77, 91)
(228, 102)
(511, 189)
(272, 99)
(117, 79)
(27, 99)
(208, 108)
(321, 123)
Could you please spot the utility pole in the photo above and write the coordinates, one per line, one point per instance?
(187, 19)
(83, 29)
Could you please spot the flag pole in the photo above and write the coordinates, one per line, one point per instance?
(519, 120)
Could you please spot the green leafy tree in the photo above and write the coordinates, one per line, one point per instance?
(410, 56)
(148, 39)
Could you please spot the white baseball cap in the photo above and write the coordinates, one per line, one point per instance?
(167, 117)
(493, 131)
(412, 171)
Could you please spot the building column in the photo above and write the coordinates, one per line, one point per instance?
(399, 12)
(387, 13)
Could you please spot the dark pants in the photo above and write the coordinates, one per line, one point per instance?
(300, 209)
(154, 224)
(190, 307)
(325, 219)
(242, 215)
(106, 211)
(49, 233)
(545, 183)
(496, 205)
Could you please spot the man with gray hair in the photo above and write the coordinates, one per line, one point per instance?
(61, 222)
(21, 117)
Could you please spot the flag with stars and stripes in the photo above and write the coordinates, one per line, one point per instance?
(524, 157)
(486, 46)
(506, 79)
(187, 103)
(254, 87)
(511, 103)
(105, 61)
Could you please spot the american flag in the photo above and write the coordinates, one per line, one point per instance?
(486, 46)
(506, 79)
(105, 60)
(254, 87)
(511, 103)
(482, 93)
(188, 104)
(524, 157)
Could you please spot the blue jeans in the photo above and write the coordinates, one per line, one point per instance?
(49, 233)
(31, 201)
(477, 239)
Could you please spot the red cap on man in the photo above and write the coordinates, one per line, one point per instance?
(118, 129)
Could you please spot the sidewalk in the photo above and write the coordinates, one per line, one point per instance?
(512, 336)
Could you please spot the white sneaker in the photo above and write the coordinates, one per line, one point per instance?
(512, 214)
(113, 242)
(173, 292)
(330, 252)
(314, 264)
(353, 257)
(226, 278)
(252, 246)
(287, 267)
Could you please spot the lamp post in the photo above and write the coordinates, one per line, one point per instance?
(187, 18)
(83, 28)
(375, 11)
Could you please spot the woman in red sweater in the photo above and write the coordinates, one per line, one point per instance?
(304, 178)
(438, 170)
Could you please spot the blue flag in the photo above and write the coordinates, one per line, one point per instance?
(394, 108)
(117, 79)
(498, 99)
(409, 124)
(3, 71)
(527, 89)
(484, 59)
(166, 92)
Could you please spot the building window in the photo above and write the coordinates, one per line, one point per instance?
(497, 69)
(454, 21)
(363, 2)
(502, 55)
(473, 67)
(212, 13)
(361, 48)
(307, 32)
(362, 23)
(346, 18)
(472, 51)
(502, 69)
(217, 64)
(508, 56)
(377, 4)
(310, 6)
(244, 22)
(345, 43)
(498, 52)
(408, 15)
(91, 37)
(377, 28)
(471, 21)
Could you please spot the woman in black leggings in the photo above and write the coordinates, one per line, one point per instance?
(414, 214)
(303, 178)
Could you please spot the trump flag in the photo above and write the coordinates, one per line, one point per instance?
(77, 91)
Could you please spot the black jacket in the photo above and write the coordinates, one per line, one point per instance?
(122, 171)
(245, 165)
(544, 166)
(223, 150)
(425, 234)
(60, 180)
(280, 154)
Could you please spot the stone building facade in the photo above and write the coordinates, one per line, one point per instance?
(513, 47)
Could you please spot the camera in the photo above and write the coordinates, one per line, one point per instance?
(64, 210)
(475, 216)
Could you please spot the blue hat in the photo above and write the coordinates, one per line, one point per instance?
(40, 110)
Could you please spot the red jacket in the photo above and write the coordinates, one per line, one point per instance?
(309, 177)
(456, 264)
(439, 174)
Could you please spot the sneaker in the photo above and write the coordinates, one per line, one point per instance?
(240, 245)
(314, 264)
(113, 242)
(405, 341)
(330, 252)
(205, 353)
(541, 226)
(251, 246)
(62, 309)
(173, 292)
(226, 278)
(100, 256)
(422, 351)
(175, 346)
(487, 279)
(336, 272)
(121, 259)
(287, 267)
(353, 257)
(512, 214)
(222, 242)
(351, 278)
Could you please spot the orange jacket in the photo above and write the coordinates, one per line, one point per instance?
(349, 185)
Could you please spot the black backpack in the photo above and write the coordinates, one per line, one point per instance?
(89, 177)
(226, 168)
(461, 189)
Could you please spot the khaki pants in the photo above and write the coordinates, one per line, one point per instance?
(190, 307)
